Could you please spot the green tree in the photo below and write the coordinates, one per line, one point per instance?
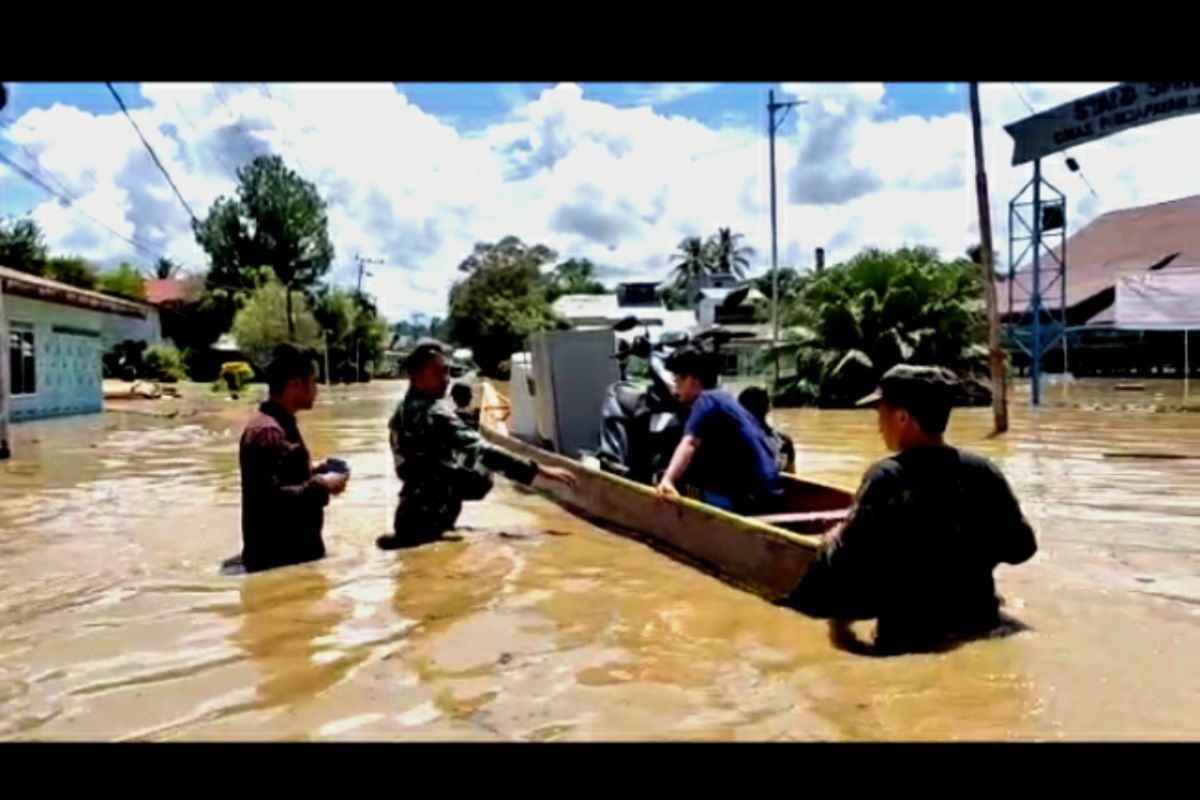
(277, 220)
(124, 281)
(22, 246)
(693, 264)
(791, 284)
(262, 323)
(73, 270)
(728, 254)
(354, 332)
(503, 299)
(575, 276)
(856, 320)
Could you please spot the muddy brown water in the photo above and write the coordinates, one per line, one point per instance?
(115, 624)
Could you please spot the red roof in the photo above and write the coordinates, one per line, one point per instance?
(170, 290)
(1131, 240)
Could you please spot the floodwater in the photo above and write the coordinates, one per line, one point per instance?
(115, 624)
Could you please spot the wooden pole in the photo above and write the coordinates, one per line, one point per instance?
(996, 357)
(5, 386)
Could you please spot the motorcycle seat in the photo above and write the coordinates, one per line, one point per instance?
(629, 397)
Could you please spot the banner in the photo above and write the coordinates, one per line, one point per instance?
(1167, 299)
(1121, 108)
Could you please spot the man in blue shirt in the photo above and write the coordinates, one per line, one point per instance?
(725, 458)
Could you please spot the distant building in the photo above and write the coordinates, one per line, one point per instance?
(55, 335)
(1165, 236)
(639, 299)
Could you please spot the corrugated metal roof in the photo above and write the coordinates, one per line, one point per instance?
(36, 287)
(1130, 240)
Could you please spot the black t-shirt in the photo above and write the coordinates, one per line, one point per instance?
(928, 527)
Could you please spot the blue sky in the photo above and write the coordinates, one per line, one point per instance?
(471, 107)
(415, 174)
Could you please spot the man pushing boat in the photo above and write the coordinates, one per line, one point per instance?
(441, 460)
(928, 527)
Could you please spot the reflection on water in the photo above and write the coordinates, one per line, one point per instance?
(115, 624)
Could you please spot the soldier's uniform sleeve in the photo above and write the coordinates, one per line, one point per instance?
(470, 442)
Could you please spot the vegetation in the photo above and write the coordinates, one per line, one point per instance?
(131, 361)
(22, 246)
(503, 299)
(262, 322)
(163, 362)
(856, 320)
(235, 375)
(124, 281)
(277, 220)
(575, 276)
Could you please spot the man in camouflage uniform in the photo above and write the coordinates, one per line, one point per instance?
(441, 460)
(928, 527)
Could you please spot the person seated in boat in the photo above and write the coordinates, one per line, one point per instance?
(927, 528)
(461, 395)
(725, 457)
(756, 400)
(440, 459)
(283, 494)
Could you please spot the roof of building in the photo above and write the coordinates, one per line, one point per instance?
(36, 287)
(588, 306)
(168, 290)
(1130, 240)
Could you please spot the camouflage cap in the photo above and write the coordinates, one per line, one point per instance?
(916, 388)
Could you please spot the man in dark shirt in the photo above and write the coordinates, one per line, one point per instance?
(928, 527)
(756, 400)
(725, 455)
(283, 494)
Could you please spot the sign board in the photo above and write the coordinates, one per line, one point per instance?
(1166, 299)
(1121, 108)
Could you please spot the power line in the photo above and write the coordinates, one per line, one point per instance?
(213, 150)
(150, 149)
(29, 176)
(289, 140)
(38, 168)
(1072, 164)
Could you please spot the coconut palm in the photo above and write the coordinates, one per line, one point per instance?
(693, 263)
(728, 254)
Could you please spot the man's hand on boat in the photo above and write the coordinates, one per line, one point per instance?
(557, 475)
(666, 489)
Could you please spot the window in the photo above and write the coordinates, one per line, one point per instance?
(21, 356)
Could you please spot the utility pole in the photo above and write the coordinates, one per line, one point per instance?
(362, 267)
(772, 126)
(995, 353)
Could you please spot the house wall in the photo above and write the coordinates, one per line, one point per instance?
(67, 345)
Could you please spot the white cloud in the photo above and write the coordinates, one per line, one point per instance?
(619, 185)
(655, 94)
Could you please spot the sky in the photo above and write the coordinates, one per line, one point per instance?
(415, 174)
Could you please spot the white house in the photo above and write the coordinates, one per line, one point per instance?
(54, 336)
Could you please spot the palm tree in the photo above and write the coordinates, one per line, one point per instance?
(854, 322)
(694, 263)
(728, 254)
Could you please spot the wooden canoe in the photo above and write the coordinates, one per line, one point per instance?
(765, 555)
